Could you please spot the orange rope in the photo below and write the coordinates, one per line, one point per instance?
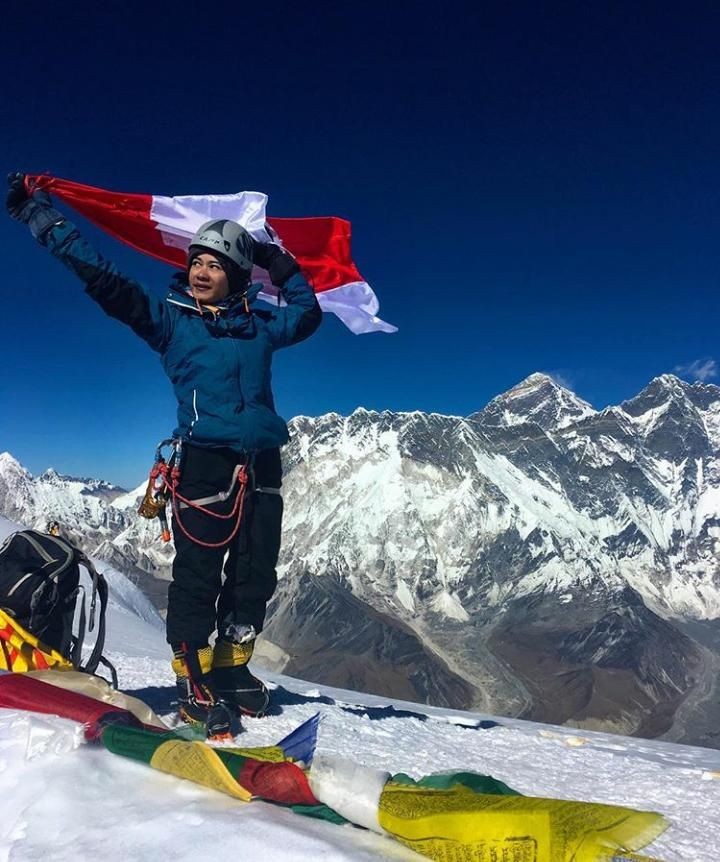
(171, 480)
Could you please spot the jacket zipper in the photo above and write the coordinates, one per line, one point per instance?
(195, 411)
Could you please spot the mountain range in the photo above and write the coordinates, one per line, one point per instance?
(538, 558)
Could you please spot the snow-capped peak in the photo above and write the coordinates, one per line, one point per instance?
(666, 386)
(536, 380)
(10, 464)
(669, 392)
(539, 399)
(668, 381)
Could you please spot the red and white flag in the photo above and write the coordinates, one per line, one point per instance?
(163, 226)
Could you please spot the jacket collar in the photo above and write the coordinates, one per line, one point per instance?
(179, 294)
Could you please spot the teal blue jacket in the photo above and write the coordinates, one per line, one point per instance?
(218, 361)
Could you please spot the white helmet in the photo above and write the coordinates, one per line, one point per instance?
(225, 237)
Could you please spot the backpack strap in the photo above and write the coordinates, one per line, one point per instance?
(79, 639)
(100, 588)
(111, 667)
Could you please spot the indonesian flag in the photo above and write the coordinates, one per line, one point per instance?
(163, 226)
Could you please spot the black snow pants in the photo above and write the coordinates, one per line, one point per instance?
(200, 599)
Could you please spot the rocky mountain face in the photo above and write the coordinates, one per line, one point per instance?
(562, 563)
(538, 558)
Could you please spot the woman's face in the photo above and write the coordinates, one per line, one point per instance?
(207, 279)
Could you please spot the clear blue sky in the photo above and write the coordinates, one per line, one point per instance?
(532, 187)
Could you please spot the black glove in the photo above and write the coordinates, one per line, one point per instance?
(17, 197)
(279, 263)
(37, 212)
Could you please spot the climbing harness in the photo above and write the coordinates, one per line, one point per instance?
(162, 488)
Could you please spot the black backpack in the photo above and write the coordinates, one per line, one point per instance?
(40, 589)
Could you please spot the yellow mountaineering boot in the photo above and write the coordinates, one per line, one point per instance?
(198, 702)
(232, 680)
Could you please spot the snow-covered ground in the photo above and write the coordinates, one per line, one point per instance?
(64, 800)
